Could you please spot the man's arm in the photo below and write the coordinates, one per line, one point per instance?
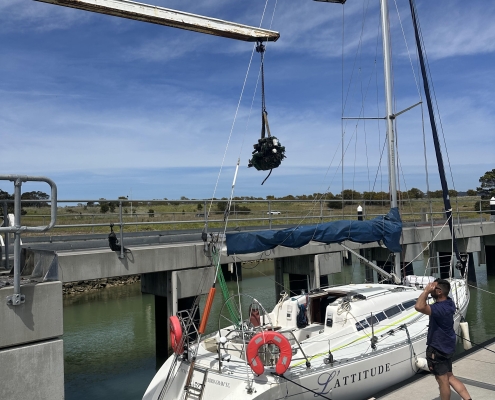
(421, 305)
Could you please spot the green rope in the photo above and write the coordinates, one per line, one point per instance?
(234, 314)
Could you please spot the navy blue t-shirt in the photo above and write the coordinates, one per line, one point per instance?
(441, 333)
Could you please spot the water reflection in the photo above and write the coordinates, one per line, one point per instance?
(109, 343)
(480, 314)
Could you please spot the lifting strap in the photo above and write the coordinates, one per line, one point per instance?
(260, 48)
(268, 152)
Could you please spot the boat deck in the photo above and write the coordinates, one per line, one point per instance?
(475, 370)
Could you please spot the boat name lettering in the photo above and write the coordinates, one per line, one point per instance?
(219, 383)
(325, 380)
(332, 380)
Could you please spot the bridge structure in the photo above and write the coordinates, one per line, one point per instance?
(170, 263)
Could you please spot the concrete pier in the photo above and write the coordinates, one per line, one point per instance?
(305, 272)
(474, 368)
(174, 291)
(232, 271)
(31, 348)
(490, 259)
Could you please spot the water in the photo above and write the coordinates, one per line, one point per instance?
(109, 343)
(109, 335)
(480, 310)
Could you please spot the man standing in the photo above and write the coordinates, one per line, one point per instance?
(441, 337)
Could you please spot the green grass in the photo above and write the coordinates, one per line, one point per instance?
(183, 215)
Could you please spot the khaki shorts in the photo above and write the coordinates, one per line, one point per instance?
(439, 363)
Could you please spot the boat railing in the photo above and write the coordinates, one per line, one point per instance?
(244, 336)
(190, 329)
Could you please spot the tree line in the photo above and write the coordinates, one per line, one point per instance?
(486, 191)
(39, 200)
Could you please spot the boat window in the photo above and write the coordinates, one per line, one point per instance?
(390, 312)
(381, 316)
(372, 320)
(401, 307)
(409, 304)
(361, 325)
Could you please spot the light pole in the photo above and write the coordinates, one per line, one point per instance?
(131, 203)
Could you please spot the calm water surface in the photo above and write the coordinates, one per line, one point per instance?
(109, 335)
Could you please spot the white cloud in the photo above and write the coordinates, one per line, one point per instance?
(119, 99)
(58, 134)
(22, 16)
(458, 28)
(163, 49)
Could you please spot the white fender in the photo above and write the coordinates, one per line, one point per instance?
(465, 335)
(421, 363)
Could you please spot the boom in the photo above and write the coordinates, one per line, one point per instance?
(173, 18)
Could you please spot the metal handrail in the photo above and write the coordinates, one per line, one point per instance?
(239, 217)
(17, 298)
(18, 180)
(191, 222)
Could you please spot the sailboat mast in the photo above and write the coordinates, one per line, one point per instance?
(387, 70)
(436, 142)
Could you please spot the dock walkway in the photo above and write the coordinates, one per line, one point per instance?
(476, 370)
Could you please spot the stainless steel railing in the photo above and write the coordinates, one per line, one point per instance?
(17, 229)
(73, 218)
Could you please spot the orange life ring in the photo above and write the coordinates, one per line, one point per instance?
(269, 337)
(176, 335)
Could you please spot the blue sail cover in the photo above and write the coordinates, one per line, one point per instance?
(387, 228)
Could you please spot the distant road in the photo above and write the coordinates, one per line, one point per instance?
(144, 238)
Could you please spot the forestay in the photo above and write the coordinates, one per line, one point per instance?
(386, 228)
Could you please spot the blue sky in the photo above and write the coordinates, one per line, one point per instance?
(110, 107)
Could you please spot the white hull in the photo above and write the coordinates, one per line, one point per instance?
(357, 372)
(353, 381)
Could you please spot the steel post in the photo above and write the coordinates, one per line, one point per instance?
(17, 229)
(270, 213)
(7, 234)
(121, 224)
(387, 70)
(321, 211)
(16, 297)
(492, 209)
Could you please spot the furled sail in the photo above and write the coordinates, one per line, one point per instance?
(386, 228)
